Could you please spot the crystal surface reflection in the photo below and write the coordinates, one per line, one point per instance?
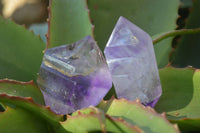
(132, 63)
(74, 76)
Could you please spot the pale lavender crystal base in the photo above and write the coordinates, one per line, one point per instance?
(132, 63)
(74, 76)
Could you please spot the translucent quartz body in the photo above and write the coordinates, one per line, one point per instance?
(132, 63)
(74, 76)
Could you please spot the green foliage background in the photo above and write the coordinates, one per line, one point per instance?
(21, 51)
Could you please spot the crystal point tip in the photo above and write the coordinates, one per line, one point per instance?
(132, 63)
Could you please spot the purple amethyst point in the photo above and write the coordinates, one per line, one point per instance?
(74, 76)
(132, 63)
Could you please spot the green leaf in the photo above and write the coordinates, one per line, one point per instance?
(27, 116)
(116, 125)
(20, 121)
(21, 89)
(187, 51)
(180, 93)
(154, 17)
(137, 114)
(85, 123)
(68, 22)
(17, 120)
(34, 109)
(20, 52)
(162, 50)
(180, 98)
(94, 120)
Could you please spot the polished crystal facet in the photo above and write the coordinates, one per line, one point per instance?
(131, 60)
(74, 76)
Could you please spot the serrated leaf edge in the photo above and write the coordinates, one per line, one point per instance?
(23, 26)
(148, 109)
(49, 23)
(43, 111)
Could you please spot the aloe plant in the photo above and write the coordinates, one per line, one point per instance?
(21, 102)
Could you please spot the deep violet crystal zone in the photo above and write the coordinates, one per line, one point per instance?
(132, 63)
(74, 76)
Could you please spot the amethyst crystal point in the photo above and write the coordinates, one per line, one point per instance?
(74, 76)
(131, 60)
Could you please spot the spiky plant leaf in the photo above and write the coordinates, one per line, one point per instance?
(17, 120)
(20, 52)
(137, 114)
(180, 98)
(21, 89)
(94, 120)
(25, 109)
(68, 22)
(82, 123)
(29, 105)
(50, 122)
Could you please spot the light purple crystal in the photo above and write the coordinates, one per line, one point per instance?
(131, 60)
(74, 76)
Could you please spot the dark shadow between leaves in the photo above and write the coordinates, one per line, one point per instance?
(2, 109)
(110, 93)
